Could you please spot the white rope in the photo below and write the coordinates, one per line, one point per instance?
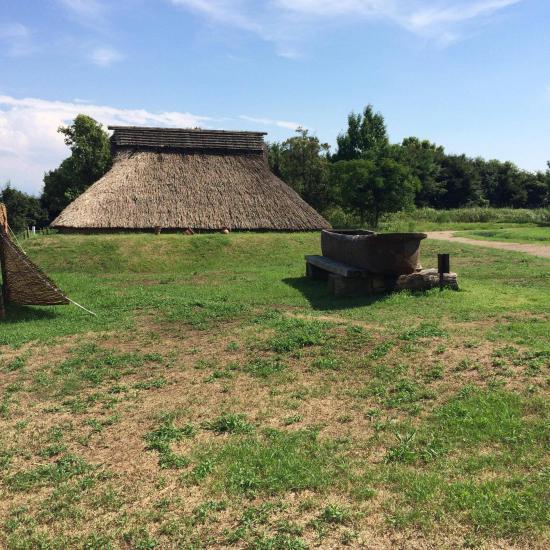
(16, 239)
(81, 307)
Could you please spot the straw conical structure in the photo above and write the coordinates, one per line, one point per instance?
(23, 282)
(197, 179)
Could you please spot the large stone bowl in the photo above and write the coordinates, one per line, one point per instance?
(382, 253)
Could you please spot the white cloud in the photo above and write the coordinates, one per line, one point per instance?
(86, 9)
(435, 16)
(332, 8)
(105, 57)
(96, 16)
(15, 39)
(231, 12)
(285, 22)
(270, 122)
(31, 145)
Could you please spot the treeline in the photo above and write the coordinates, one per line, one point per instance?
(368, 176)
(363, 179)
(24, 210)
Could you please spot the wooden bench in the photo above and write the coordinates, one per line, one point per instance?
(348, 280)
(319, 267)
(344, 279)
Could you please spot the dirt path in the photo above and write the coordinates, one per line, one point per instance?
(533, 249)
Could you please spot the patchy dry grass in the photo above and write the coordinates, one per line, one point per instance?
(252, 412)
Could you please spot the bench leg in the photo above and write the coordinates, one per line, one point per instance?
(343, 286)
(315, 273)
(365, 286)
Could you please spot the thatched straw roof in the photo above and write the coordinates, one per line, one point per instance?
(198, 179)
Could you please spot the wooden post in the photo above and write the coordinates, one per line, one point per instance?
(3, 232)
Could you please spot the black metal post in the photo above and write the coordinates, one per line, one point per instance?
(443, 266)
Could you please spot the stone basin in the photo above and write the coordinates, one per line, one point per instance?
(383, 253)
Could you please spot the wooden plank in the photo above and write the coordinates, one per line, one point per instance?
(332, 266)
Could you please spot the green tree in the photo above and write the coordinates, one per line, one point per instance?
(365, 137)
(90, 159)
(301, 161)
(503, 183)
(23, 210)
(371, 188)
(274, 154)
(462, 182)
(424, 160)
(537, 187)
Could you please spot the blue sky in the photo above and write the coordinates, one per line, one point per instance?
(471, 75)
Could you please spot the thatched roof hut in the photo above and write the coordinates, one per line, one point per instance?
(198, 179)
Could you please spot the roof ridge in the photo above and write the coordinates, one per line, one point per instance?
(186, 138)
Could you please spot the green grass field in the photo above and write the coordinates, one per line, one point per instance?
(428, 219)
(220, 399)
(518, 234)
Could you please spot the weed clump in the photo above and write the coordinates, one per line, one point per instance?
(424, 330)
(274, 462)
(336, 514)
(294, 334)
(230, 423)
(161, 438)
(264, 368)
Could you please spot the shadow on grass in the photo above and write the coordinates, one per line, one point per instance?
(18, 314)
(319, 297)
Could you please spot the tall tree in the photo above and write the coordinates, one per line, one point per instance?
(461, 181)
(90, 159)
(537, 187)
(503, 183)
(23, 210)
(301, 161)
(371, 188)
(365, 137)
(274, 154)
(424, 160)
